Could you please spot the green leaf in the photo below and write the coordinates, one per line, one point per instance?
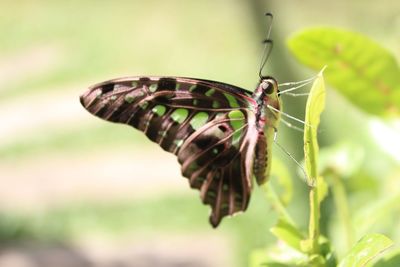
(369, 247)
(288, 233)
(378, 211)
(325, 251)
(314, 108)
(259, 258)
(391, 260)
(316, 260)
(306, 246)
(278, 255)
(362, 70)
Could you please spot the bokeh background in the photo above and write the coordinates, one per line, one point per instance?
(77, 191)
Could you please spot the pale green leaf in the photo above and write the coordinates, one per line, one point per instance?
(278, 255)
(257, 258)
(359, 68)
(376, 212)
(391, 259)
(314, 108)
(288, 233)
(369, 247)
(306, 245)
(316, 260)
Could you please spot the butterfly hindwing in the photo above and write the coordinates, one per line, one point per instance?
(208, 125)
(217, 160)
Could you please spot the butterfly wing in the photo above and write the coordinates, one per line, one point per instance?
(210, 126)
(218, 158)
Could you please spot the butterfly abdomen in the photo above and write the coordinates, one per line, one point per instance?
(260, 159)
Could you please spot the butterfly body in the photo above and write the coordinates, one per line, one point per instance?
(220, 133)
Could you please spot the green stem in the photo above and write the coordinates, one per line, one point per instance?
(313, 228)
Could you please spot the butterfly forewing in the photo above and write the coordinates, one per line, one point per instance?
(209, 125)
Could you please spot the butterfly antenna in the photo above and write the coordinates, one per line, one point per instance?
(268, 45)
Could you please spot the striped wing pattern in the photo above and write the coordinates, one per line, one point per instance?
(209, 125)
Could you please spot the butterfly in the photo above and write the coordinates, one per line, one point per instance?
(221, 134)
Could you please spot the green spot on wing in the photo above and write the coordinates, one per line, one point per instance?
(113, 97)
(193, 167)
(159, 110)
(179, 115)
(236, 138)
(237, 119)
(129, 98)
(210, 92)
(163, 134)
(199, 120)
(178, 142)
(134, 84)
(215, 104)
(153, 87)
(144, 105)
(232, 100)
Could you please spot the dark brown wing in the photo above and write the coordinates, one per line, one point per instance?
(217, 159)
(209, 125)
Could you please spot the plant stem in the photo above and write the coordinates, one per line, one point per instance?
(314, 218)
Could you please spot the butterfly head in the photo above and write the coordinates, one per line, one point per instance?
(266, 95)
(268, 86)
(267, 92)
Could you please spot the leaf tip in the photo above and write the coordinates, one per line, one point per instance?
(322, 70)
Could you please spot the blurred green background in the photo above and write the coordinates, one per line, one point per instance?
(78, 191)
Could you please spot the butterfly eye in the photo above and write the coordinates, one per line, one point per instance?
(267, 87)
(222, 128)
